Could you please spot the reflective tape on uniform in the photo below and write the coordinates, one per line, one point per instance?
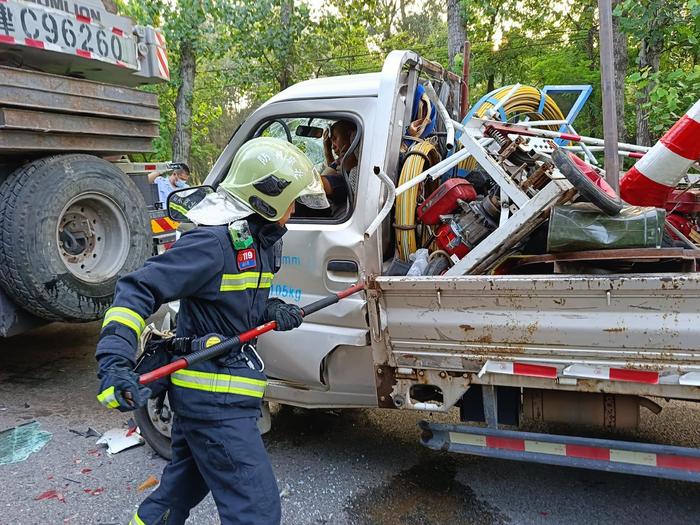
(177, 208)
(234, 282)
(136, 520)
(107, 398)
(125, 316)
(219, 383)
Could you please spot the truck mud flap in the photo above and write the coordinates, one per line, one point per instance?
(643, 459)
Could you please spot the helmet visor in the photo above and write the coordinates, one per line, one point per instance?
(313, 195)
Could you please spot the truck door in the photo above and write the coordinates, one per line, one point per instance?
(323, 252)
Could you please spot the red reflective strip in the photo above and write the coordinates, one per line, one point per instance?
(149, 167)
(81, 18)
(34, 43)
(635, 376)
(506, 443)
(523, 369)
(678, 462)
(160, 38)
(684, 138)
(640, 190)
(6, 38)
(569, 136)
(117, 31)
(635, 155)
(83, 53)
(167, 245)
(163, 63)
(163, 223)
(582, 451)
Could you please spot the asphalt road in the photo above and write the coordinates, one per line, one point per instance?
(352, 467)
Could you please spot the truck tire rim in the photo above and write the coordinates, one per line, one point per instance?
(160, 415)
(93, 237)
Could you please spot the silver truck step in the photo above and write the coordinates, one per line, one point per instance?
(644, 459)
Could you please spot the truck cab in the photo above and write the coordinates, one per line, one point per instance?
(328, 254)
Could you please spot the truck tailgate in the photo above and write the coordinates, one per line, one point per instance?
(459, 323)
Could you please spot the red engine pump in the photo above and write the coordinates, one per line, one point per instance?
(683, 207)
(449, 241)
(443, 201)
(470, 220)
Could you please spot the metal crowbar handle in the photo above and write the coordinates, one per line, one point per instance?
(225, 346)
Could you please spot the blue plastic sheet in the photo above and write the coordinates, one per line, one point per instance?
(17, 444)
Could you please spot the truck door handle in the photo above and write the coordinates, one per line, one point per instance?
(343, 266)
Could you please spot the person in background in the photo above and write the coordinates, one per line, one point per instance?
(336, 141)
(176, 179)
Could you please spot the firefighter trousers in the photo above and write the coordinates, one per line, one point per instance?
(227, 457)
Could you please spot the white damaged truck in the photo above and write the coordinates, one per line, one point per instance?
(501, 338)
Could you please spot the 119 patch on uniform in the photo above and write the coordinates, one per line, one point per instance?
(247, 259)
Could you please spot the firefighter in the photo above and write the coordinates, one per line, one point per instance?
(222, 276)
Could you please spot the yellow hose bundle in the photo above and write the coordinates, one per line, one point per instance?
(406, 203)
(525, 101)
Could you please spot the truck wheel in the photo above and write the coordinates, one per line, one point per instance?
(588, 182)
(70, 226)
(155, 422)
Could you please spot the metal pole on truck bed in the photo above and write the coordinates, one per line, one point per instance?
(607, 83)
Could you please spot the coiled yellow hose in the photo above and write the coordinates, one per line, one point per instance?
(406, 203)
(525, 101)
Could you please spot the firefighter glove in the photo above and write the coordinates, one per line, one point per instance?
(119, 385)
(287, 316)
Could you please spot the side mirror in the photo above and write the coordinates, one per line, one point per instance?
(309, 131)
(183, 200)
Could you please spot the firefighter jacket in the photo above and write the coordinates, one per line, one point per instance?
(222, 291)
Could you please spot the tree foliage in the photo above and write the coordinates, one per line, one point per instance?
(246, 51)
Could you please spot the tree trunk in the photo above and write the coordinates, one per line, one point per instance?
(591, 51)
(649, 57)
(621, 61)
(182, 139)
(285, 77)
(456, 34)
(490, 82)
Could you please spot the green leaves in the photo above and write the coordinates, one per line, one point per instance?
(247, 50)
(673, 93)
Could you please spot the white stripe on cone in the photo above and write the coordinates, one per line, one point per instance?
(663, 166)
(694, 112)
(660, 166)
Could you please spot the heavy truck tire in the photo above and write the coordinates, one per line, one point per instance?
(70, 226)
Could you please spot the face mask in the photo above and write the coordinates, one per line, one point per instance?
(179, 183)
